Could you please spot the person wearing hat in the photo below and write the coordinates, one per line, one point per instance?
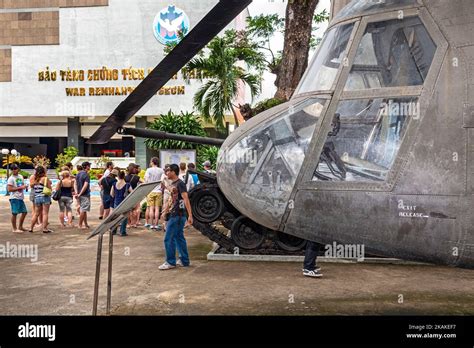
(16, 187)
(106, 185)
(66, 186)
(208, 168)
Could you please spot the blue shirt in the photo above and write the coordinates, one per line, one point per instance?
(120, 194)
(81, 178)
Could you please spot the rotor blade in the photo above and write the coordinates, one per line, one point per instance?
(154, 134)
(209, 27)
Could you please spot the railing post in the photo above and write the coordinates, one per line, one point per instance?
(97, 274)
(109, 277)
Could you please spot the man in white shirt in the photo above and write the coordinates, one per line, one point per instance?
(16, 187)
(155, 198)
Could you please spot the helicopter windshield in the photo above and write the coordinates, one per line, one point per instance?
(367, 132)
(365, 139)
(323, 69)
(392, 53)
(261, 169)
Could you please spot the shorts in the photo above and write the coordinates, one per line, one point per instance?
(154, 199)
(18, 206)
(107, 201)
(42, 200)
(65, 204)
(84, 204)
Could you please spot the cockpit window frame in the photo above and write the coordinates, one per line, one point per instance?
(356, 22)
(423, 92)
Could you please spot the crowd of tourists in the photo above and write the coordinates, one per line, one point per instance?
(167, 206)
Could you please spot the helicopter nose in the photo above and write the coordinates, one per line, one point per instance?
(259, 163)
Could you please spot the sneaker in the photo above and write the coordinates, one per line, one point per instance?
(313, 274)
(179, 263)
(317, 269)
(166, 266)
(148, 226)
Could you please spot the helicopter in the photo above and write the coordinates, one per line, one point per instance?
(375, 148)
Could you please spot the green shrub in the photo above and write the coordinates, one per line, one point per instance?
(67, 156)
(206, 153)
(183, 123)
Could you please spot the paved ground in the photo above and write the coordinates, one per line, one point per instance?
(61, 281)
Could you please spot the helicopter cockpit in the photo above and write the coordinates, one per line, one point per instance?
(264, 165)
(367, 132)
(353, 107)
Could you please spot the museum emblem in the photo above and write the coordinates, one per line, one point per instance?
(169, 23)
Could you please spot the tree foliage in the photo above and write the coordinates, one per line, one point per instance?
(219, 64)
(185, 123)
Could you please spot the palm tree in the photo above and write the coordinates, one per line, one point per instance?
(218, 94)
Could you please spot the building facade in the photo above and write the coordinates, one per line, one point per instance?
(65, 65)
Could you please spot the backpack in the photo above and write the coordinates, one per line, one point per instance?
(195, 179)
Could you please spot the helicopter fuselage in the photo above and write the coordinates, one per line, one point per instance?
(376, 148)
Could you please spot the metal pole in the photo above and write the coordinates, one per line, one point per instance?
(109, 278)
(153, 134)
(8, 173)
(97, 274)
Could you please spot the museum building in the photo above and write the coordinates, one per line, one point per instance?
(65, 65)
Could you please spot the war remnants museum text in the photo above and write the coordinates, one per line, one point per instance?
(108, 74)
